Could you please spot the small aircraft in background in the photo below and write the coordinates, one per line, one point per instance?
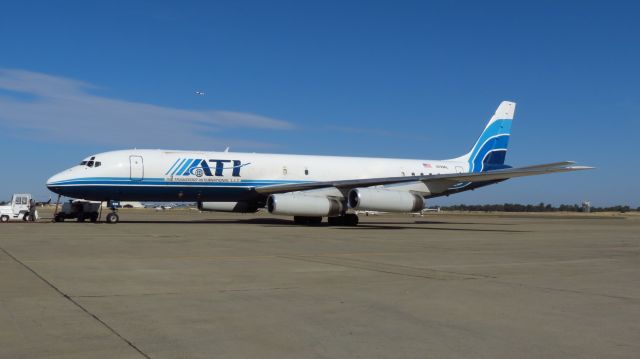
(45, 203)
(199, 93)
(160, 206)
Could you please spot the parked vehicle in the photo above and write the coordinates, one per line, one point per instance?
(79, 210)
(21, 208)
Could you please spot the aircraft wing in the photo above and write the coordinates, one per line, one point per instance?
(451, 177)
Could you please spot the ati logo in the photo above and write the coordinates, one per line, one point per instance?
(199, 167)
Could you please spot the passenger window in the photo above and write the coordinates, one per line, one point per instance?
(421, 173)
(98, 164)
(306, 172)
(413, 173)
(284, 171)
(90, 163)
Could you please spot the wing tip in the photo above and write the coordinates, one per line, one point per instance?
(580, 168)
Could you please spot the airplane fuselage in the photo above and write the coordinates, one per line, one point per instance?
(160, 175)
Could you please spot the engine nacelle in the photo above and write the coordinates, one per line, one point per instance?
(302, 205)
(242, 207)
(384, 200)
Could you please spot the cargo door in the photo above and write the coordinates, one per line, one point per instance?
(137, 168)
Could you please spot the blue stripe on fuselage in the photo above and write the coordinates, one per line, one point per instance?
(157, 193)
(181, 170)
(172, 166)
(157, 189)
(178, 167)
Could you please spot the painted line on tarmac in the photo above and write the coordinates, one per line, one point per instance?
(70, 299)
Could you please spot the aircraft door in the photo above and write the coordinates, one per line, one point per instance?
(137, 168)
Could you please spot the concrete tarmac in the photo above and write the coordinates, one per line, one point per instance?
(183, 284)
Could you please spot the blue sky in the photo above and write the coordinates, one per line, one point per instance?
(409, 79)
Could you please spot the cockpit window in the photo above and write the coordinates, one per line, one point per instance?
(91, 163)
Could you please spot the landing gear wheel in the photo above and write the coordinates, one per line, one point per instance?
(303, 220)
(349, 219)
(4, 219)
(112, 218)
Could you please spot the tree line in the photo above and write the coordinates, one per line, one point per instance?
(541, 207)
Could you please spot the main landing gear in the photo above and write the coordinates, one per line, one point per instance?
(348, 219)
(307, 220)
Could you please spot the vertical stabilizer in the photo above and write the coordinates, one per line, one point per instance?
(490, 149)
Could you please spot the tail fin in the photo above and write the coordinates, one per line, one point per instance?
(490, 149)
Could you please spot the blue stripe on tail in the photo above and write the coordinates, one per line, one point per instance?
(491, 148)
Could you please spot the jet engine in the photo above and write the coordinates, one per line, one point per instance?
(302, 205)
(384, 200)
(242, 207)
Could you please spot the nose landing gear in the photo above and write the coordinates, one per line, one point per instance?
(112, 217)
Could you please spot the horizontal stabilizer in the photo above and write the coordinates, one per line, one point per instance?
(513, 172)
(546, 165)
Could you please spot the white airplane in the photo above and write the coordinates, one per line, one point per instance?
(199, 93)
(305, 187)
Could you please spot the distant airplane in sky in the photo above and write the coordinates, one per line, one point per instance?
(305, 187)
(200, 93)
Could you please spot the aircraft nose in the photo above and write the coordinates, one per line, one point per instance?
(54, 182)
